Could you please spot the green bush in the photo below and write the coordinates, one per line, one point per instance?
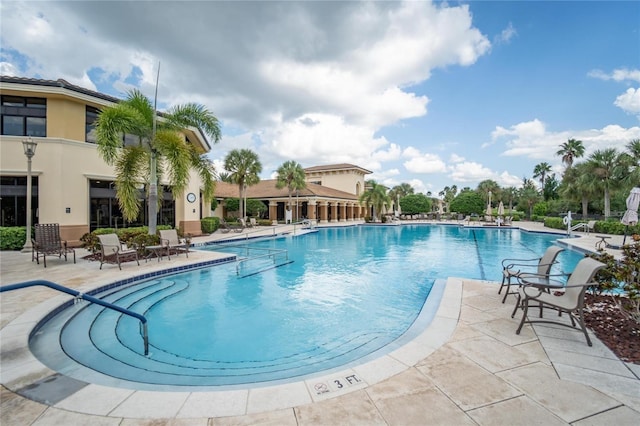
(13, 238)
(554, 223)
(209, 225)
(415, 203)
(540, 209)
(622, 275)
(138, 236)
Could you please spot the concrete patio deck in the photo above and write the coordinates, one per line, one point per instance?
(468, 367)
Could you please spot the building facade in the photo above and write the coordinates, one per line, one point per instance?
(71, 184)
(331, 195)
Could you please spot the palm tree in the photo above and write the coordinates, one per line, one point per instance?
(540, 171)
(291, 174)
(448, 194)
(489, 186)
(606, 165)
(244, 168)
(510, 194)
(633, 148)
(570, 150)
(579, 185)
(400, 191)
(225, 177)
(158, 145)
(529, 194)
(376, 196)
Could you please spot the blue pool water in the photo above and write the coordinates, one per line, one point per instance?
(344, 294)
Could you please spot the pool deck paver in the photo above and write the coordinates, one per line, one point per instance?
(468, 368)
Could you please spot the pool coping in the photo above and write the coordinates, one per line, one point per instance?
(22, 372)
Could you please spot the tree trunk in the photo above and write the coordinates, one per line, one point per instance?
(607, 204)
(152, 208)
(585, 205)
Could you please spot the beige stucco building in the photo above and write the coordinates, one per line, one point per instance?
(331, 195)
(73, 186)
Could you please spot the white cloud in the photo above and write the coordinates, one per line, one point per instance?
(347, 66)
(470, 171)
(532, 140)
(425, 163)
(629, 101)
(455, 158)
(621, 74)
(506, 35)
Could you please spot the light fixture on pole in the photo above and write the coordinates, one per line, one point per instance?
(29, 146)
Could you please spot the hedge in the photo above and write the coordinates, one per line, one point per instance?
(209, 225)
(611, 227)
(13, 237)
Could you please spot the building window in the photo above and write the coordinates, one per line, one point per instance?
(24, 116)
(105, 210)
(13, 200)
(90, 126)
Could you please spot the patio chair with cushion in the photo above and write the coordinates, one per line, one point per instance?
(113, 251)
(47, 241)
(541, 266)
(567, 298)
(169, 239)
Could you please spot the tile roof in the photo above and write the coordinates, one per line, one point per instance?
(57, 83)
(341, 166)
(72, 87)
(266, 189)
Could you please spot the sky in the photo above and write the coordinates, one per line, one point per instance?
(433, 94)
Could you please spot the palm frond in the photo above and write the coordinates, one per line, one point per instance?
(195, 115)
(131, 167)
(173, 149)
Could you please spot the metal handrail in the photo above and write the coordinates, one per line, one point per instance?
(272, 254)
(77, 294)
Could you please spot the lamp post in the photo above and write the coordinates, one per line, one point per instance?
(29, 150)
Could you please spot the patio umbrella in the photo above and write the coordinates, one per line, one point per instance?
(631, 215)
(500, 211)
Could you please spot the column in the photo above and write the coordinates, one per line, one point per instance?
(343, 212)
(324, 209)
(311, 209)
(273, 211)
(334, 212)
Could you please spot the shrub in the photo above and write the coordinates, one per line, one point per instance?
(209, 225)
(622, 275)
(554, 223)
(415, 203)
(468, 202)
(540, 209)
(13, 238)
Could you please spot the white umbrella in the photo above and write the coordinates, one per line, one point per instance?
(631, 215)
(500, 212)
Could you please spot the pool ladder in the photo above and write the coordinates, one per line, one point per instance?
(91, 299)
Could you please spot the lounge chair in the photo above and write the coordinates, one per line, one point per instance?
(571, 300)
(169, 239)
(224, 227)
(253, 222)
(113, 251)
(47, 241)
(540, 266)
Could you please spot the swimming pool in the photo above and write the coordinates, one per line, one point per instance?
(348, 294)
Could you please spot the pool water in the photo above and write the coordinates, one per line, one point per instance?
(348, 293)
